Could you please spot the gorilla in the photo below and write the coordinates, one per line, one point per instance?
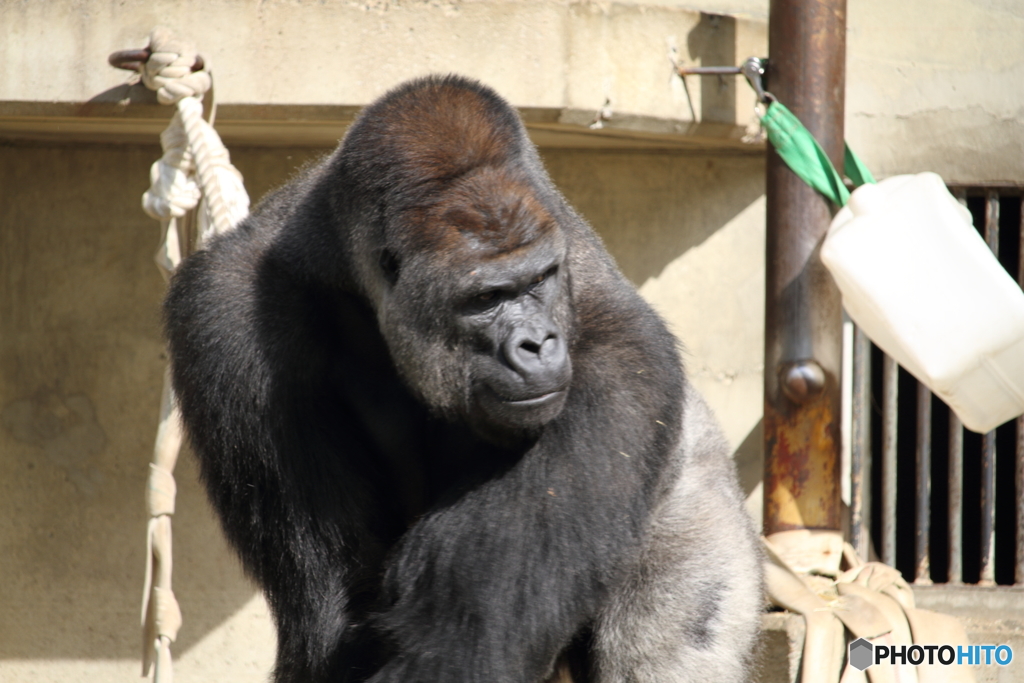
(446, 437)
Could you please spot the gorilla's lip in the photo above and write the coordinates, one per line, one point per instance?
(535, 400)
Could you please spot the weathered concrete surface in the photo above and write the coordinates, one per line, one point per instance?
(567, 60)
(689, 231)
(930, 85)
(991, 616)
(80, 373)
(937, 86)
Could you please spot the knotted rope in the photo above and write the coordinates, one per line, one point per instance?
(195, 170)
(195, 166)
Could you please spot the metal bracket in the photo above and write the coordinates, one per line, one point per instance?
(754, 70)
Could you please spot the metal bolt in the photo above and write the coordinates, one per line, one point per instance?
(802, 381)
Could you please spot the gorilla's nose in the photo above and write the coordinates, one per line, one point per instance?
(539, 357)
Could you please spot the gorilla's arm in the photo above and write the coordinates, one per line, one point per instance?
(269, 430)
(495, 585)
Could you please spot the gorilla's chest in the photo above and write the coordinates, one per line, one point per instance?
(423, 461)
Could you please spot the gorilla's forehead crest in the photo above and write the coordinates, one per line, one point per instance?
(425, 134)
(487, 210)
(448, 157)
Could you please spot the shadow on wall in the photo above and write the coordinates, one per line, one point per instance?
(749, 458)
(652, 207)
(81, 368)
(712, 42)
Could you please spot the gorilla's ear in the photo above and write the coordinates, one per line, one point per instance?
(389, 266)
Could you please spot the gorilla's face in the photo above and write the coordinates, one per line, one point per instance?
(510, 313)
(478, 316)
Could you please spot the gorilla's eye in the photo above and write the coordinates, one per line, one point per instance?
(483, 302)
(543, 276)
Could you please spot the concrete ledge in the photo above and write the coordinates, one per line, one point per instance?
(782, 642)
(133, 119)
(295, 73)
(991, 616)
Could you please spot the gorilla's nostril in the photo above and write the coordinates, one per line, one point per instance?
(530, 347)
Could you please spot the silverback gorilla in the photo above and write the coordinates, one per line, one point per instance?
(445, 435)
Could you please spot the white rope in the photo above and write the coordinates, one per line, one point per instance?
(168, 70)
(226, 200)
(195, 170)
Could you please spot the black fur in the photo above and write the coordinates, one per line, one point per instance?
(344, 375)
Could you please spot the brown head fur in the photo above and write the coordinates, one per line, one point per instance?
(444, 155)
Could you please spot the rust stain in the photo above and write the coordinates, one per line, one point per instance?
(801, 468)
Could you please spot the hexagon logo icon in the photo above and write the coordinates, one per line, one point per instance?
(861, 654)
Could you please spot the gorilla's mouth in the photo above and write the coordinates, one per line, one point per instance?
(520, 413)
(534, 401)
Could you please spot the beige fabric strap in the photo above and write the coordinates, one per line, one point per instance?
(160, 491)
(868, 600)
(161, 615)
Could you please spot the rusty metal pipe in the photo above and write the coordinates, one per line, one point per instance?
(803, 314)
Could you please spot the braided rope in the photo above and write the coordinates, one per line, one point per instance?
(168, 70)
(194, 171)
(226, 199)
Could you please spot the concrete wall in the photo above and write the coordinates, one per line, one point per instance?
(937, 86)
(570, 59)
(81, 364)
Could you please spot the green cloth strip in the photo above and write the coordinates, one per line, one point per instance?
(804, 155)
(855, 169)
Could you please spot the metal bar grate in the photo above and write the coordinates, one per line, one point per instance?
(956, 499)
(922, 567)
(938, 503)
(890, 394)
(860, 451)
(1019, 479)
(988, 447)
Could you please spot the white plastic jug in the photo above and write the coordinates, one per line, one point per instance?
(921, 282)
